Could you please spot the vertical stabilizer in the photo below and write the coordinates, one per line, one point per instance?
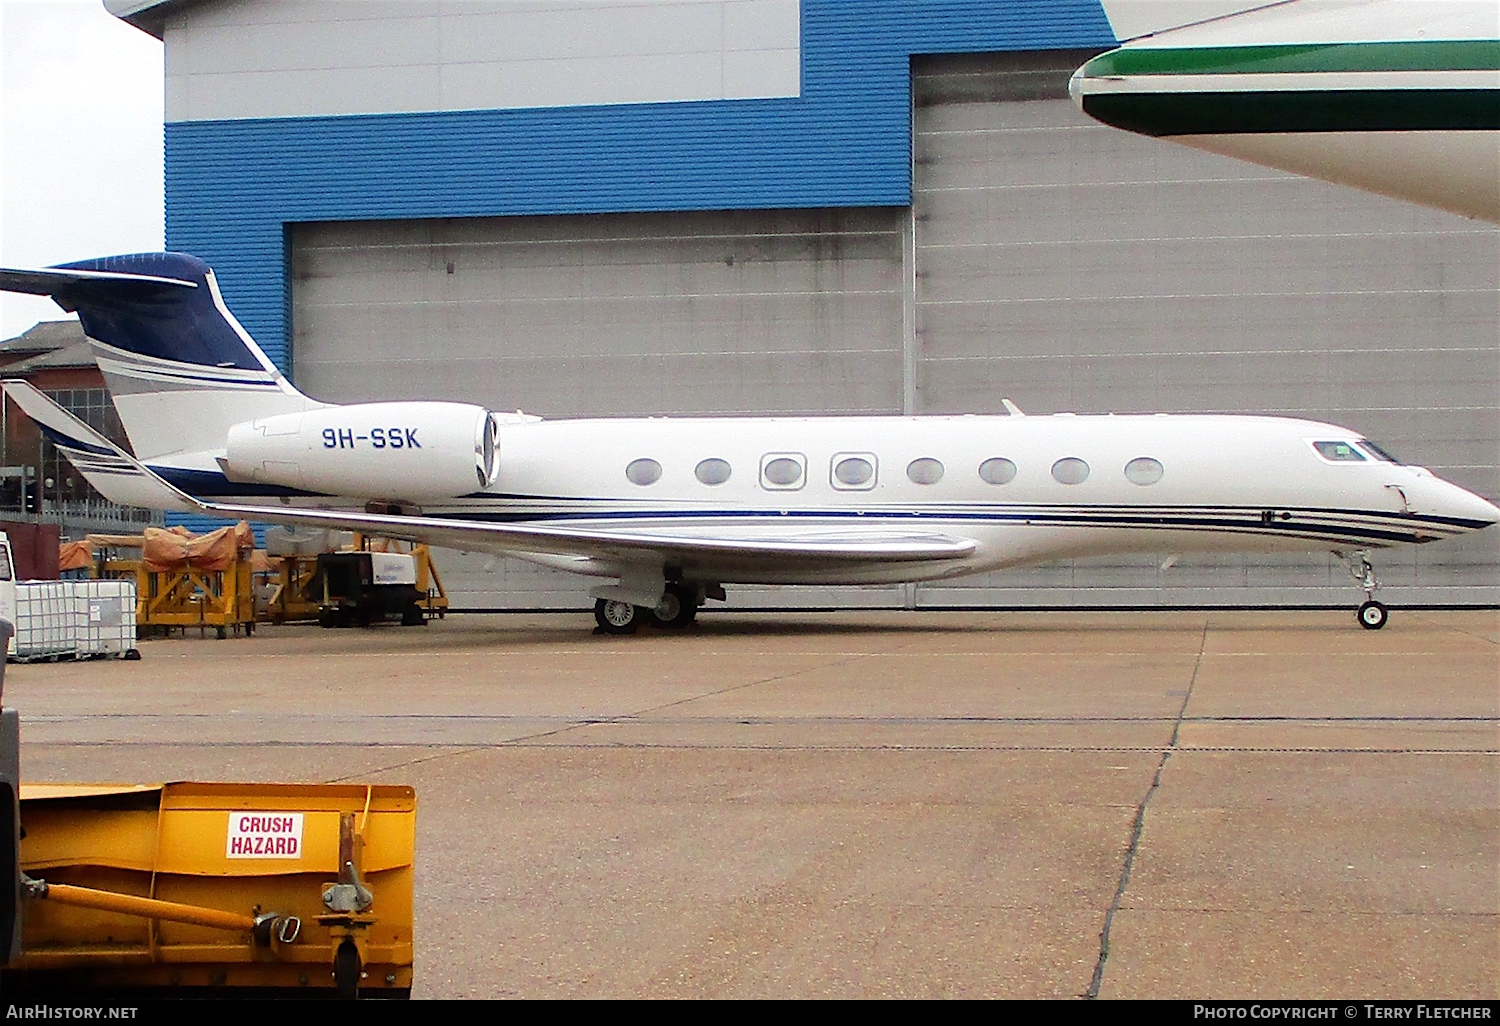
(181, 369)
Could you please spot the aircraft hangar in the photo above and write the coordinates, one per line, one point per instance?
(582, 208)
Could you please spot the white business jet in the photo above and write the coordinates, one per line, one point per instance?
(666, 511)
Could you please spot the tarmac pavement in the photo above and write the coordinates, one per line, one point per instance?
(874, 804)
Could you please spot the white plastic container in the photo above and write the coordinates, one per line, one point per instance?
(103, 617)
(44, 620)
(63, 619)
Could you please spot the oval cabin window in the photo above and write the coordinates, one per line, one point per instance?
(1070, 470)
(997, 471)
(853, 471)
(782, 472)
(1143, 470)
(712, 471)
(643, 472)
(924, 471)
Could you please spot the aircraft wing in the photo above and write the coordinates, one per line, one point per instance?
(97, 457)
(724, 545)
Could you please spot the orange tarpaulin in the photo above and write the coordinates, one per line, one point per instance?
(77, 555)
(175, 549)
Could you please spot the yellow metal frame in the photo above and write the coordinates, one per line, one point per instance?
(288, 602)
(223, 599)
(167, 844)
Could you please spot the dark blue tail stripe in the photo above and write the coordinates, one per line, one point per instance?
(168, 322)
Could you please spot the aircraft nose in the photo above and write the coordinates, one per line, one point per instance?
(1464, 505)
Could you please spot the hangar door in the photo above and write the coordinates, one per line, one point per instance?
(769, 312)
(1073, 267)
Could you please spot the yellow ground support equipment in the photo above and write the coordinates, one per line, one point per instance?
(221, 599)
(295, 590)
(269, 886)
(429, 584)
(291, 580)
(220, 596)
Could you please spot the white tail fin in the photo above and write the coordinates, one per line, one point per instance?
(181, 369)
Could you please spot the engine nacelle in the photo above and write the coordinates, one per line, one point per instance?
(416, 451)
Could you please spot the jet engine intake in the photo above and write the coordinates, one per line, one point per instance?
(408, 450)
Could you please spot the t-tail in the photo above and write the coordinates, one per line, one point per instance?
(207, 411)
(179, 366)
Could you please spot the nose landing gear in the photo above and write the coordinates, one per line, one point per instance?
(1372, 615)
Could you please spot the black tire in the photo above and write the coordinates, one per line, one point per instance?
(1372, 615)
(327, 618)
(413, 616)
(346, 970)
(132, 654)
(678, 607)
(614, 617)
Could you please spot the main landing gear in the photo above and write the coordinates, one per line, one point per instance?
(678, 607)
(1372, 615)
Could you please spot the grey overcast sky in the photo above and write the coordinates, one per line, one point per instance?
(80, 141)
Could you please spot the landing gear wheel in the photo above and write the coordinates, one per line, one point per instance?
(1372, 615)
(678, 607)
(615, 617)
(346, 971)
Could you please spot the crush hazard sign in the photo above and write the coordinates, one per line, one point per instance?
(264, 835)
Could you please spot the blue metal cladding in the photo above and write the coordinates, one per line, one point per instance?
(233, 186)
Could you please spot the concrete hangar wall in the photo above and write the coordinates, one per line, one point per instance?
(761, 206)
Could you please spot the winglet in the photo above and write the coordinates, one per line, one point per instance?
(113, 472)
(1011, 408)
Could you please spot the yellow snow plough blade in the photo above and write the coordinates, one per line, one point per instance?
(220, 886)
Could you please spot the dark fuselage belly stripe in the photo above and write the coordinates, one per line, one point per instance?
(1392, 529)
(1333, 110)
(1127, 516)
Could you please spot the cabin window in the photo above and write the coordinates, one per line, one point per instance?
(643, 472)
(712, 471)
(997, 471)
(1143, 470)
(924, 471)
(854, 470)
(1339, 452)
(783, 470)
(1070, 470)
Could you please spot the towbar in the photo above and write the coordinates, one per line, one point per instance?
(259, 926)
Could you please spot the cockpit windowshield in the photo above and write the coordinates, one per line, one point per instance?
(1377, 451)
(1339, 452)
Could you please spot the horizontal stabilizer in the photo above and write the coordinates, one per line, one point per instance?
(111, 471)
(66, 286)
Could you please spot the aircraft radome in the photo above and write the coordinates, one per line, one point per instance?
(666, 511)
(1398, 97)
